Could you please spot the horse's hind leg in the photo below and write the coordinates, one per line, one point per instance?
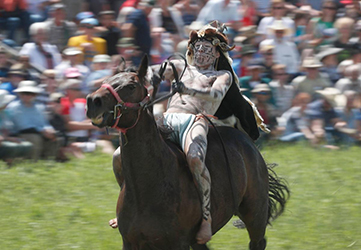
(254, 213)
(199, 247)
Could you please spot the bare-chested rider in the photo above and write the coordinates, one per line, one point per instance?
(201, 93)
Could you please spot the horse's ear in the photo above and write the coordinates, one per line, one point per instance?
(143, 68)
(121, 66)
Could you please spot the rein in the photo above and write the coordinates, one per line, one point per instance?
(123, 106)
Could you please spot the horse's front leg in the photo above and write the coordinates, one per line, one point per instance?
(117, 169)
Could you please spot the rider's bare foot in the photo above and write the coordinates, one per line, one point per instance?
(113, 223)
(205, 232)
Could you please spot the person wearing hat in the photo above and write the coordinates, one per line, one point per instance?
(72, 59)
(254, 69)
(323, 115)
(112, 33)
(15, 76)
(278, 13)
(268, 61)
(101, 70)
(137, 26)
(129, 51)
(60, 29)
(285, 52)
(328, 57)
(89, 43)
(41, 53)
(345, 28)
(10, 146)
(4, 65)
(30, 121)
(240, 65)
(313, 80)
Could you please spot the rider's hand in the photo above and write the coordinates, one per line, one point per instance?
(155, 81)
(181, 88)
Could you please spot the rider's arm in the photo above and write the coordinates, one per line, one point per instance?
(216, 92)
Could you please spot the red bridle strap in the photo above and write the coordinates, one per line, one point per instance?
(125, 104)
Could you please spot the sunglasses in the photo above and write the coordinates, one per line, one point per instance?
(281, 74)
(277, 8)
(329, 8)
(262, 93)
(75, 89)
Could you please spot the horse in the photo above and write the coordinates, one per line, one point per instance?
(159, 206)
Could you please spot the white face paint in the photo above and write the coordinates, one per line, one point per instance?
(205, 54)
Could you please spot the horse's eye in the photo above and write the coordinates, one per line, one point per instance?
(131, 86)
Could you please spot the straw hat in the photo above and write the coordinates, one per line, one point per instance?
(279, 25)
(246, 32)
(327, 50)
(102, 58)
(5, 98)
(28, 86)
(311, 62)
(262, 87)
(333, 96)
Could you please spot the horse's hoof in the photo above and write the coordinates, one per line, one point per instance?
(113, 223)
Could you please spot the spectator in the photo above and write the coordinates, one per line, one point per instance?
(60, 30)
(313, 80)
(72, 59)
(88, 43)
(348, 119)
(112, 33)
(344, 26)
(168, 18)
(10, 146)
(352, 80)
(262, 99)
(294, 124)
(11, 9)
(162, 45)
(324, 117)
(225, 11)
(301, 37)
(30, 122)
(278, 13)
(137, 27)
(282, 91)
(48, 86)
(318, 25)
(240, 66)
(285, 52)
(328, 57)
(268, 60)
(253, 79)
(101, 71)
(189, 10)
(249, 13)
(40, 52)
(129, 51)
(15, 76)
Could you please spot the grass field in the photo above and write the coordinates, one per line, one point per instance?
(51, 205)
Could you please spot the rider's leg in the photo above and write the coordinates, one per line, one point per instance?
(195, 150)
(117, 169)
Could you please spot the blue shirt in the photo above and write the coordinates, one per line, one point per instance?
(25, 117)
(8, 86)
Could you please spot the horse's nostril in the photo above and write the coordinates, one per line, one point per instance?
(97, 102)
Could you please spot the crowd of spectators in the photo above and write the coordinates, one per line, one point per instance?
(298, 60)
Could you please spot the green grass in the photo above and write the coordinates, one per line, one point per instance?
(49, 205)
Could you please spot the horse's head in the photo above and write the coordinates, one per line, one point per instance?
(118, 102)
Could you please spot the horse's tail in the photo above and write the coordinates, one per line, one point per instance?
(278, 194)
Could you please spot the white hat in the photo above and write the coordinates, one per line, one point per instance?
(5, 98)
(279, 25)
(72, 51)
(71, 84)
(327, 50)
(333, 96)
(311, 62)
(28, 86)
(101, 58)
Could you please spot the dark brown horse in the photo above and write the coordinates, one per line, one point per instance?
(159, 206)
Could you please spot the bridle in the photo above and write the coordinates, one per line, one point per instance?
(122, 106)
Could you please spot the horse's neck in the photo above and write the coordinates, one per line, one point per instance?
(147, 163)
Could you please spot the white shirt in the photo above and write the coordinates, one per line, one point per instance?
(286, 53)
(266, 23)
(215, 10)
(37, 58)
